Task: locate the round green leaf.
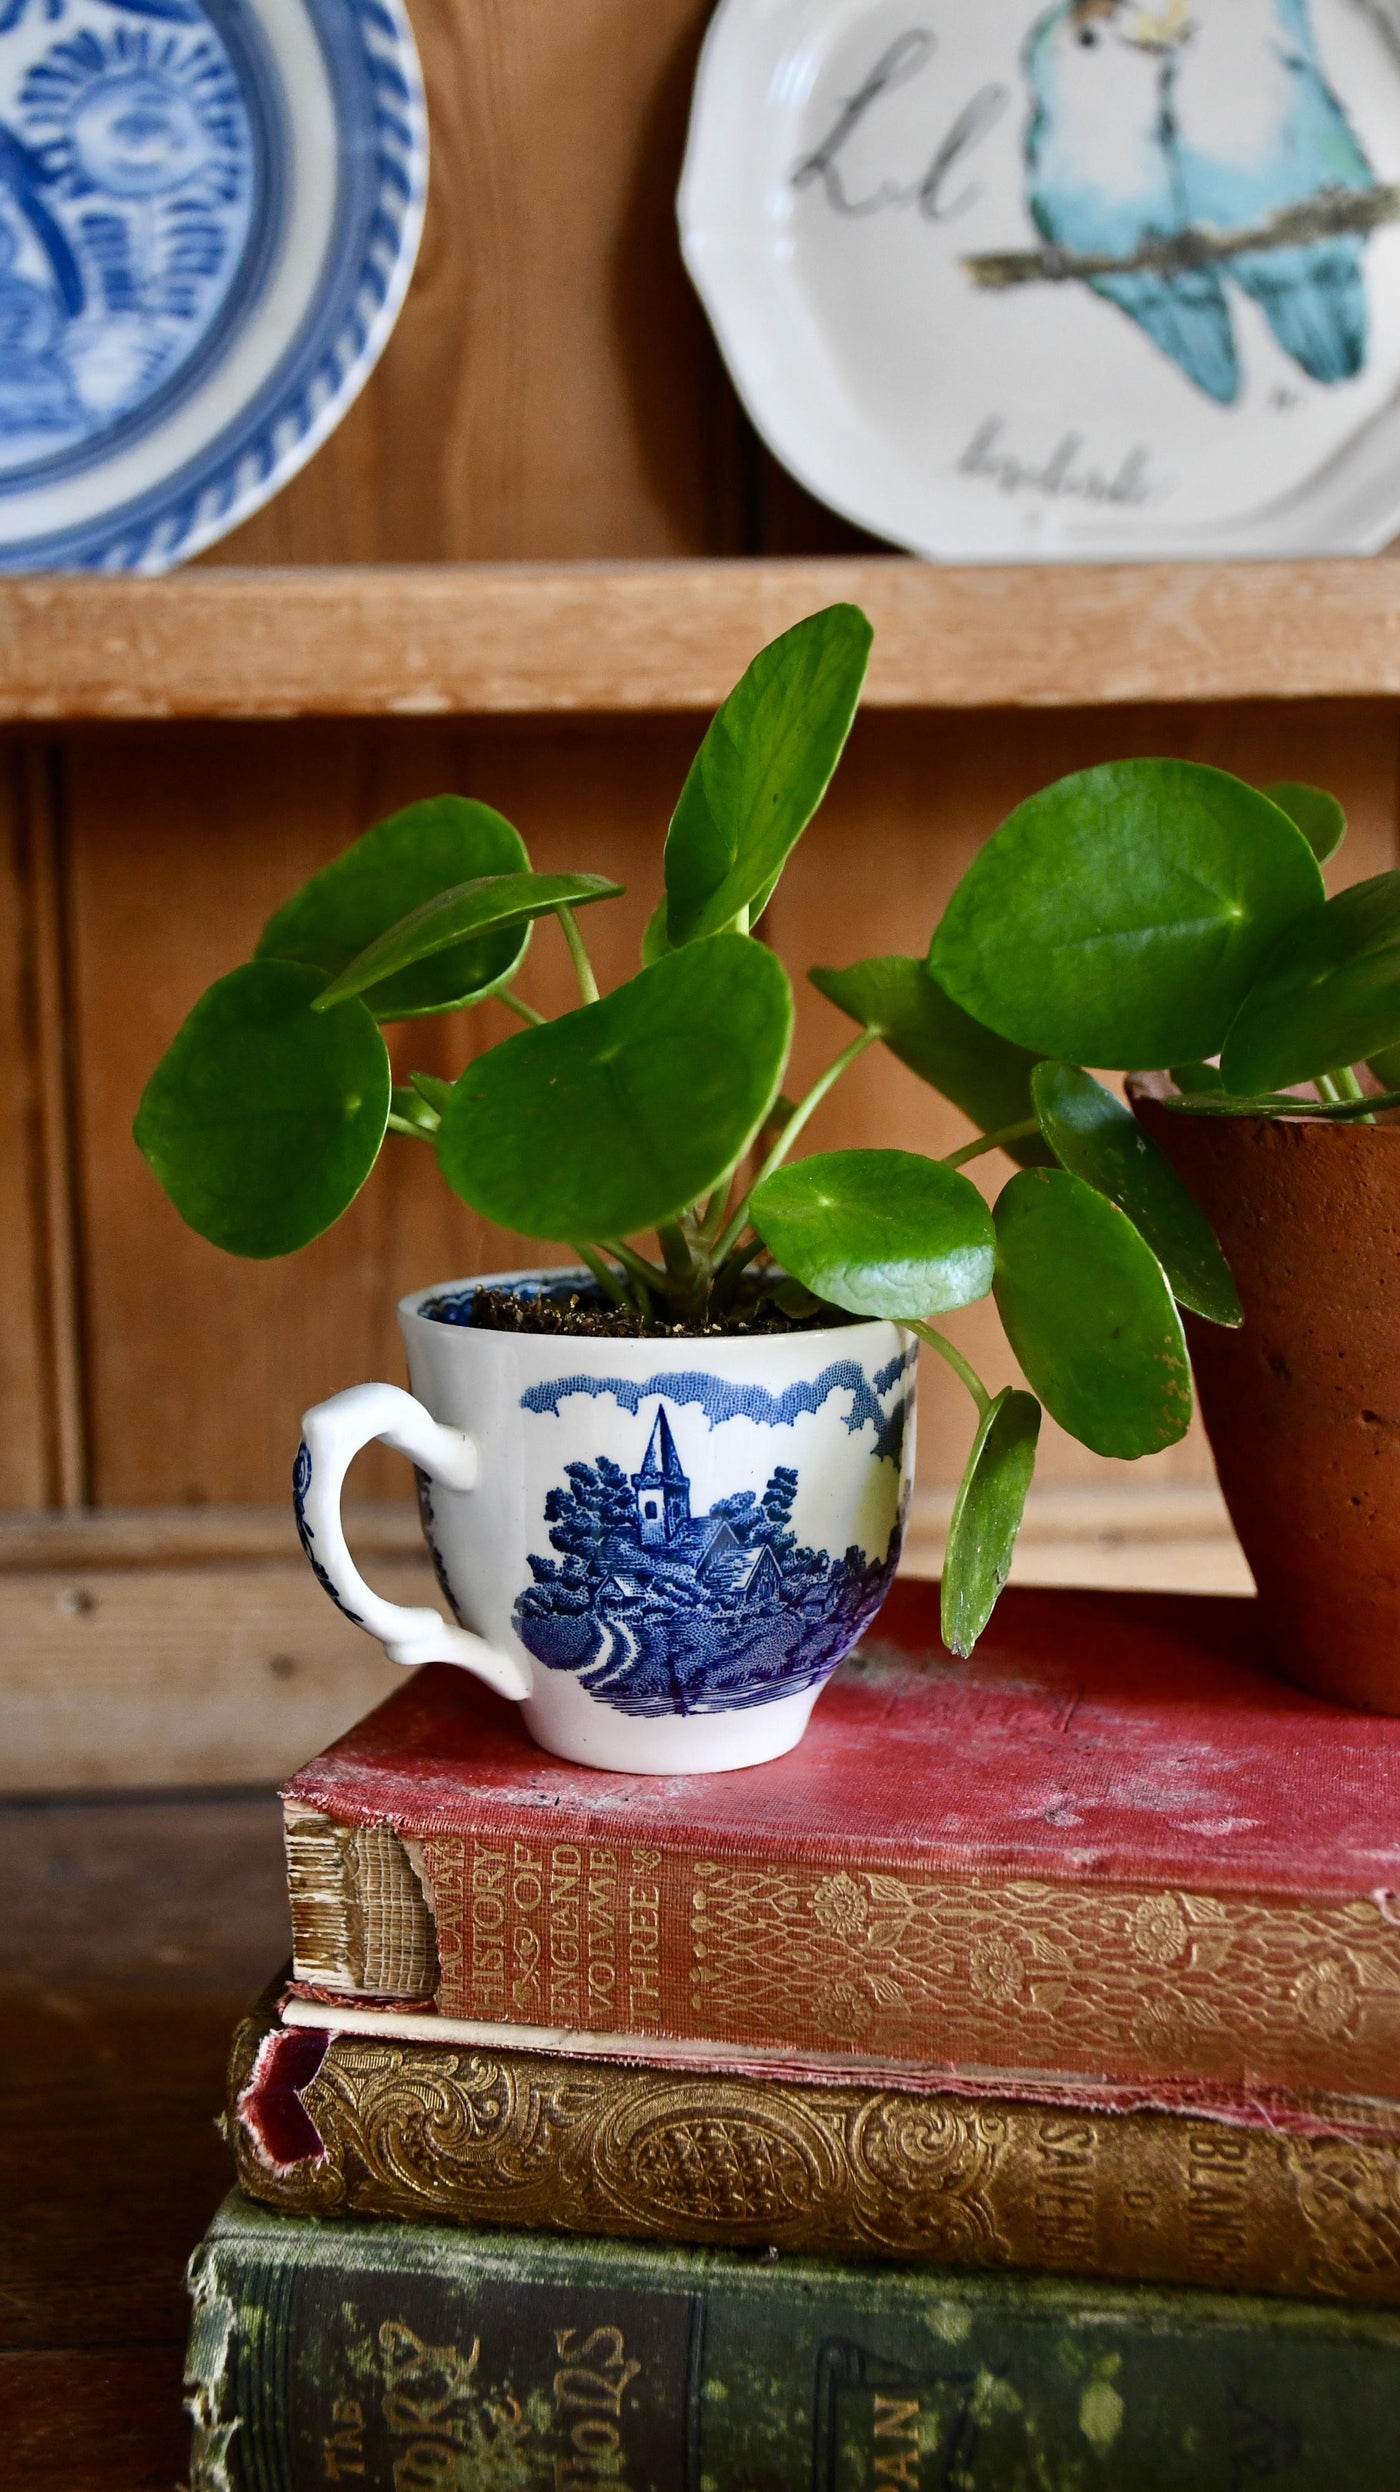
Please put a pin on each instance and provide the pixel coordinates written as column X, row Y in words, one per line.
column 1089, row 1315
column 1120, row 916
column 623, row 1113
column 987, row 1513
column 985, row 1076
column 1319, row 816
column 428, row 848
column 457, row 918
column 263, row 1118
column 878, row 1232
column 762, row 771
column 1095, row 1137
column 1328, row 994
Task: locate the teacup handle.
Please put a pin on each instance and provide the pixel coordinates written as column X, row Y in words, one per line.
column 332, row 1434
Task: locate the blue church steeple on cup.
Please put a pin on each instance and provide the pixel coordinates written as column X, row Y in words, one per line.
column 662, row 1489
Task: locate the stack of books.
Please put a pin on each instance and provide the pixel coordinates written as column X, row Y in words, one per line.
column 1001, row 2092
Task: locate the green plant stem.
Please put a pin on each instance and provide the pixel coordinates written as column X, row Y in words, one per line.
column 804, row 1109
column 517, row 1004
column 602, row 1273
column 992, row 1142
column 725, row 1283
column 960, row 1367
column 675, row 1248
column 1326, row 1088
column 578, row 952
column 649, row 1274
column 405, row 1125
column 1348, row 1087
column 713, row 1217
column 716, row 1212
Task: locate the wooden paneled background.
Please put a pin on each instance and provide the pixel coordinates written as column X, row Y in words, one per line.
column 550, row 394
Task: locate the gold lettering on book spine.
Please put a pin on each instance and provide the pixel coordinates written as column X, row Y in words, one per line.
column 1146, row 1984
column 519, row 2138
column 563, row 1933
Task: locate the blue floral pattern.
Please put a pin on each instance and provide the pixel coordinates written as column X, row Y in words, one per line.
column 146, row 185
column 659, row 1610
column 132, row 162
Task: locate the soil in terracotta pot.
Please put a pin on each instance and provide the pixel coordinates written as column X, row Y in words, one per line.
column 589, row 1312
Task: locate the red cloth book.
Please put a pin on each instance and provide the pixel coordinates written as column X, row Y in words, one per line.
column 1111, row 1858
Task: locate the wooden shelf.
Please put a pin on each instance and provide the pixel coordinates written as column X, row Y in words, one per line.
column 194, row 1647
column 537, row 640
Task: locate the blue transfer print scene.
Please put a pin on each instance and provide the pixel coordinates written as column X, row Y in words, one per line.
column 659, row 1609
column 127, row 182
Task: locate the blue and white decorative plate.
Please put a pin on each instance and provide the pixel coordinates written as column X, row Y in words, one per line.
column 209, row 212
column 1062, row 279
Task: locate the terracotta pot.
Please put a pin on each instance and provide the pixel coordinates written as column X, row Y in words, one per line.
column 1302, row 1403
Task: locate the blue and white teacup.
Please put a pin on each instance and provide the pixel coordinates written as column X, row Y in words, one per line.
column 661, row 1548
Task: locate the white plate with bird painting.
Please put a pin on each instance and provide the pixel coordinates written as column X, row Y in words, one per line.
column 1104, row 279
column 209, row 211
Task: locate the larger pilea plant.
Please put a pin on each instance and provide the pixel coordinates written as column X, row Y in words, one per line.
column 1149, row 913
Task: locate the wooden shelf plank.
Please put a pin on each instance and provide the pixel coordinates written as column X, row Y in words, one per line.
column 169, row 1647
column 537, row 640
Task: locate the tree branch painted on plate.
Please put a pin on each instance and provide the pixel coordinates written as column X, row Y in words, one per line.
column 1310, row 220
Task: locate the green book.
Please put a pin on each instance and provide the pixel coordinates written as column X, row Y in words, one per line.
column 417, row 2359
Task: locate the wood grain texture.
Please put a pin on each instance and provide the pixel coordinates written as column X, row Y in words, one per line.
column 133, row 1935
column 115, row 1538
column 133, row 1893
column 551, row 388
column 540, row 639
column 168, row 1649
column 110, row 2418
column 183, row 1675
column 26, row 1468
column 42, row 1422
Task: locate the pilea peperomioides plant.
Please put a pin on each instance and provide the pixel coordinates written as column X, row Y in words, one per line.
column 1137, row 915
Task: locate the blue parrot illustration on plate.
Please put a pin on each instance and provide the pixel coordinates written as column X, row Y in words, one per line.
column 1150, row 118
column 1101, row 174
column 1258, row 128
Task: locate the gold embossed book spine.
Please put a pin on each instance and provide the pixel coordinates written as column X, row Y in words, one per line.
column 333, row 2124
column 1191, row 1995
column 1110, row 1849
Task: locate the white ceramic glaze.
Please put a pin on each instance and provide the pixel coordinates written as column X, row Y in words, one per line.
column 660, row 1548
column 849, row 159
